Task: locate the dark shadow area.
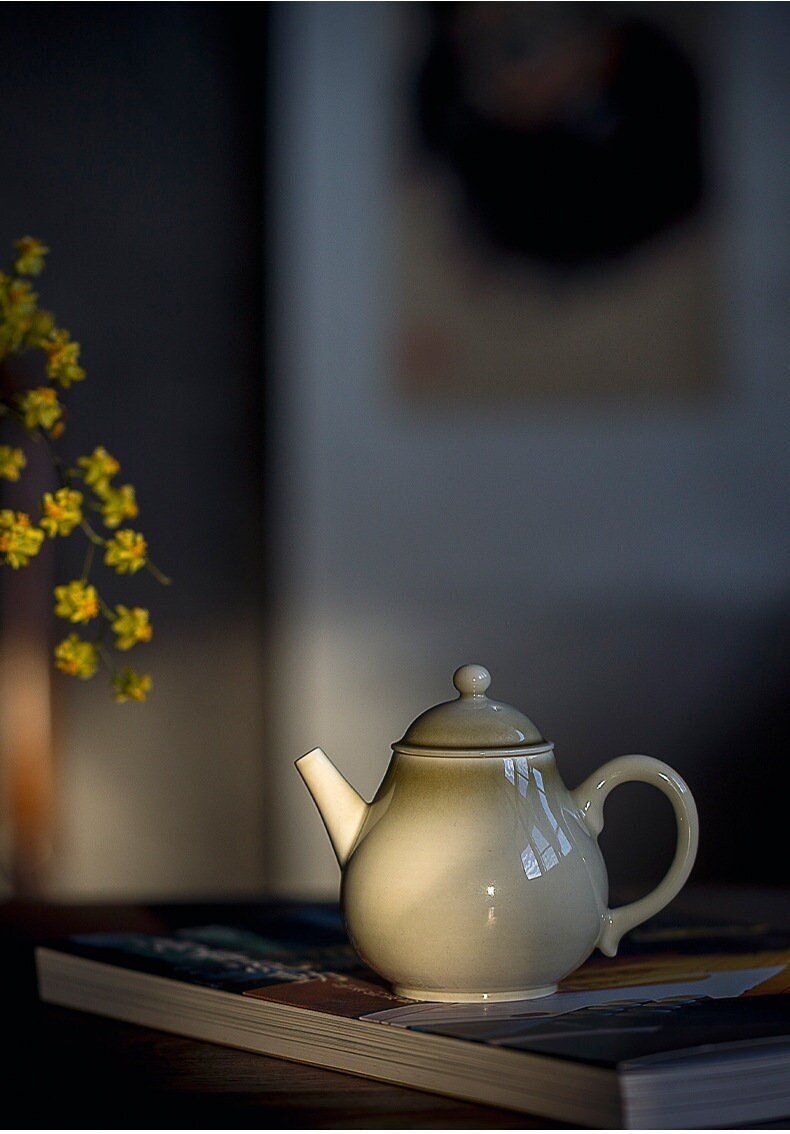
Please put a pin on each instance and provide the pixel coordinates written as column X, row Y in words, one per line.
column 133, row 140
column 742, row 771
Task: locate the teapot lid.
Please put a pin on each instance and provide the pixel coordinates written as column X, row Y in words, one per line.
column 472, row 720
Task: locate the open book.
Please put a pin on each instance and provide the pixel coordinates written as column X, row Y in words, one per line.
column 688, row 1027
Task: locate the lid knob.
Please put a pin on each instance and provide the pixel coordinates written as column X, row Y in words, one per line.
column 471, row 680
column 470, row 723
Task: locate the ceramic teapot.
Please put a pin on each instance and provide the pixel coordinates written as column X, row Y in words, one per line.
column 475, row 874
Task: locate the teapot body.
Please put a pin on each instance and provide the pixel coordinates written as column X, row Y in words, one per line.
column 474, row 873
column 474, row 877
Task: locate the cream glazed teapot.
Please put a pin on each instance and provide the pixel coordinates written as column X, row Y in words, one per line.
column 475, row 874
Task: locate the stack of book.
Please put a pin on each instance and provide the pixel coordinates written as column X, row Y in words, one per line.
column 688, row 1027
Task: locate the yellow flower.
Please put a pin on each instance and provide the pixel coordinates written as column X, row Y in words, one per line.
column 30, row 256
column 99, row 467
column 62, row 512
column 40, row 407
column 18, row 298
column 19, row 540
column 24, row 327
column 76, row 657
column 131, row 626
column 12, row 461
column 42, row 325
column 131, row 686
column 62, row 355
column 126, row 552
column 17, row 308
column 119, row 504
column 77, row 601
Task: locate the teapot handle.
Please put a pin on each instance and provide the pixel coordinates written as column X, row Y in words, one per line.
column 590, row 797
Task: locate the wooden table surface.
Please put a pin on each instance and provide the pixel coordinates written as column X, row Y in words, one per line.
column 67, row 1070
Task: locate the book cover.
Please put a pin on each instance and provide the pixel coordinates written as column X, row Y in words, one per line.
column 677, row 996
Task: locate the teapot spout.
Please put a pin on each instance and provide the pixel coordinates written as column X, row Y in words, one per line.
column 342, row 809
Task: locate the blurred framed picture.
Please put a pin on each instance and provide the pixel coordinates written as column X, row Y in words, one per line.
column 555, row 240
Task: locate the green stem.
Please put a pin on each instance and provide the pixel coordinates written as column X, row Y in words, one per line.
column 108, row 614
column 63, row 473
column 157, row 574
column 88, row 563
column 95, row 539
column 106, row 659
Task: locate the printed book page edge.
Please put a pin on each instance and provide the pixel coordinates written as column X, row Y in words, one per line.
column 590, row 1095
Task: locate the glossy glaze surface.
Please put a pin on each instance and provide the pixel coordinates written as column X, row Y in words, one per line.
column 474, row 873
column 466, row 874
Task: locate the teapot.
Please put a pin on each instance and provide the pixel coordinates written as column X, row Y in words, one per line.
column 474, row 874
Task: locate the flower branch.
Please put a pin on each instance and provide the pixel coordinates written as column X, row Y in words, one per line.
column 90, row 486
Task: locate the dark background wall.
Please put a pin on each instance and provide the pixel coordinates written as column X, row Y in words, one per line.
column 132, row 143
column 132, row 138
column 218, row 212
column 619, row 563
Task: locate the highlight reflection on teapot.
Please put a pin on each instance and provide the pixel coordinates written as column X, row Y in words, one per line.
column 475, row 874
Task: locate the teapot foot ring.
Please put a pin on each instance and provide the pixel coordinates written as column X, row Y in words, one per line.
column 456, row 997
